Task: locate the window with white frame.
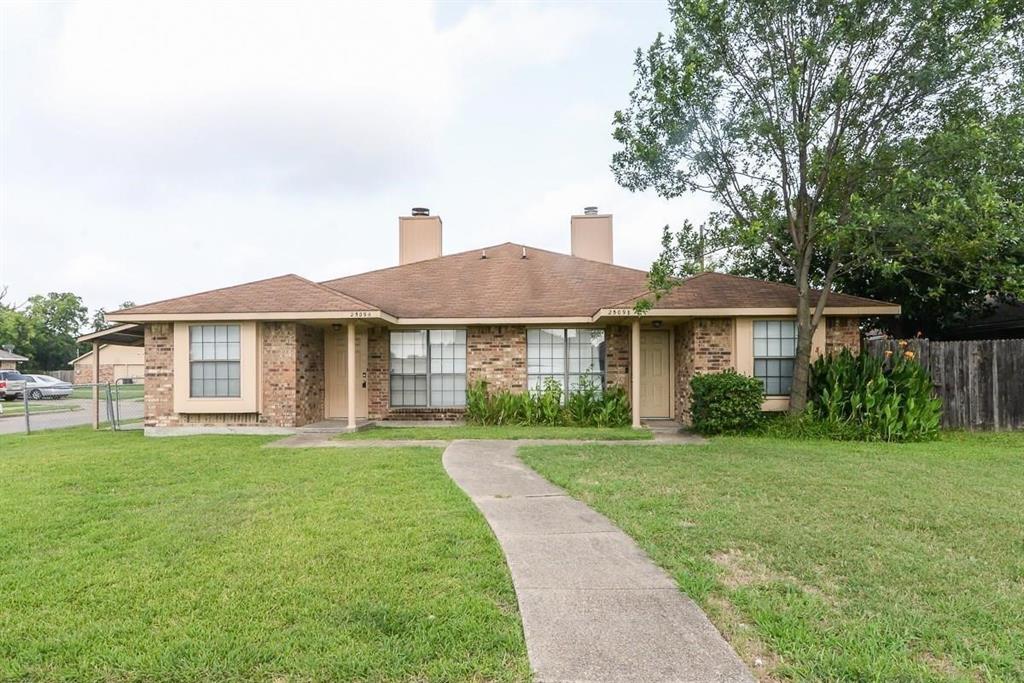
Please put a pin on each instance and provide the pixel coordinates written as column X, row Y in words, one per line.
column 215, row 361
column 428, row 368
column 774, row 351
column 568, row 356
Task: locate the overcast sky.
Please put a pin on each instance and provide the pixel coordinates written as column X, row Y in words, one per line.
column 151, row 150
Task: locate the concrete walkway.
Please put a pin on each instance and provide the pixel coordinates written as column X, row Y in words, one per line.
column 594, row 606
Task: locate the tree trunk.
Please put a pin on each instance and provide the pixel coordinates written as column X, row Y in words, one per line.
column 802, row 362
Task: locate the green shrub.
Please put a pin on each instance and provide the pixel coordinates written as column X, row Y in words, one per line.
column 883, row 400
column 726, row 402
column 586, row 407
column 806, row 425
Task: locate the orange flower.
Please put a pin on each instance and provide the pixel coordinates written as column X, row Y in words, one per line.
column 909, row 355
column 888, row 353
column 903, row 343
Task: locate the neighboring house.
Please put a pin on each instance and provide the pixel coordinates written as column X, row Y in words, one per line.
column 9, row 360
column 275, row 353
column 116, row 363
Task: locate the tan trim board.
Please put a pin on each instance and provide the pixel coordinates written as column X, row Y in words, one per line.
column 601, row 316
column 289, row 315
column 750, row 312
column 427, row 322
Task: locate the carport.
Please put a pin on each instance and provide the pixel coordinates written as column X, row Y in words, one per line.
column 128, row 334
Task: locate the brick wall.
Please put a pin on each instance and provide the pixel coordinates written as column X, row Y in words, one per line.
column 292, row 382
column 84, row 373
column 683, row 352
column 842, row 333
column 712, row 344
column 618, row 339
column 377, row 377
column 293, row 374
column 497, row 354
column 279, row 349
column 309, row 375
column 159, row 395
column 702, row 345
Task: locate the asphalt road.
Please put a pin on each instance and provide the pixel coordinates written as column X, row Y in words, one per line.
column 15, row 424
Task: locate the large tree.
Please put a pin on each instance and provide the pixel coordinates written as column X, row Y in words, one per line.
column 782, row 110
column 948, row 209
column 44, row 329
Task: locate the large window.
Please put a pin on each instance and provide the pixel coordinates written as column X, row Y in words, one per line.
column 774, row 350
column 568, row 356
column 428, row 368
column 215, row 360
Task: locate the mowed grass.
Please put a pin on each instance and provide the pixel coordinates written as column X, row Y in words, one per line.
column 119, row 391
column 831, row 561
column 211, row 558
column 499, row 432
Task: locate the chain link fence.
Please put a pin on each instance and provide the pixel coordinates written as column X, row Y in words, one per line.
column 114, row 406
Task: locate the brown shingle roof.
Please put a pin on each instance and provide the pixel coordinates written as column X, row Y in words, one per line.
column 283, row 294
column 719, row 290
column 503, row 285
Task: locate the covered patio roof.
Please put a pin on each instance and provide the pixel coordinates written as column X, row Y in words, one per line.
column 128, row 334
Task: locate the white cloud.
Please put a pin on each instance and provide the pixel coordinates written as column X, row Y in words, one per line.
column 154, row 149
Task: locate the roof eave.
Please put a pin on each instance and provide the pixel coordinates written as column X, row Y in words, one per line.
column 250, row 315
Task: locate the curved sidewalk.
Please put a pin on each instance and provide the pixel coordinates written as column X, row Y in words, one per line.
column 594, row 606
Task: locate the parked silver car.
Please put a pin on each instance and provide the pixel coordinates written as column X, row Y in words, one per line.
column 44, row 386
column 12, row 384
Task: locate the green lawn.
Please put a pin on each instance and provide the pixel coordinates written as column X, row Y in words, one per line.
column 500, row 432
column 210, row 558
column 831, row 561
column 123, row 391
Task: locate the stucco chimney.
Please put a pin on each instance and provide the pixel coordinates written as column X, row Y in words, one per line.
column 592, row 235
column 419, row 236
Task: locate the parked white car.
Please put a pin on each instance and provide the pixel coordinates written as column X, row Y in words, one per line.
column 12, row 384
column 45, row 386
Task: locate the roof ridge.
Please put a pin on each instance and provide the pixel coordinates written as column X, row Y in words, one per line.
column 338, row 292
column 470, row 251
column 403, row 265
column 207, row 291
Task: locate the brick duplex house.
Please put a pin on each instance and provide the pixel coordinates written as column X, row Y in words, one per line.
column 405, row 342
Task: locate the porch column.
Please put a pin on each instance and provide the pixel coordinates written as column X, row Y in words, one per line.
column 350, row 358
column 96, row 385
column 634, row 371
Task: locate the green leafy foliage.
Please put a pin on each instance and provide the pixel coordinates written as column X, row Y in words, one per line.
column 875, row 399
column 726, row 402
column 843, row 140
column 588, row 406
column 43, row 329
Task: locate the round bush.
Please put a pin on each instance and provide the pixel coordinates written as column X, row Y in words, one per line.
column 726, row 402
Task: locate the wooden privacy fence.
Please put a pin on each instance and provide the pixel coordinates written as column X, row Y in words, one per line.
column 62, row 375
column 981, row 383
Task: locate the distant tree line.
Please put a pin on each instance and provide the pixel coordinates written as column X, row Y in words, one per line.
column 45, row 328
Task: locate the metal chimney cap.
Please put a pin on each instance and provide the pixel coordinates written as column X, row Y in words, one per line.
column 589, row 210
column 420, row 211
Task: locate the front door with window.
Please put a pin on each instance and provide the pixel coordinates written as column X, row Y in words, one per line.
column 336, row 373
column 655, row 374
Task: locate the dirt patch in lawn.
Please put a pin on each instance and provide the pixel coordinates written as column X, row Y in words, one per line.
column 742, row 570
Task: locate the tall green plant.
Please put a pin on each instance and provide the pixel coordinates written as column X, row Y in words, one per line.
column 587, row 406
column 886, row 400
